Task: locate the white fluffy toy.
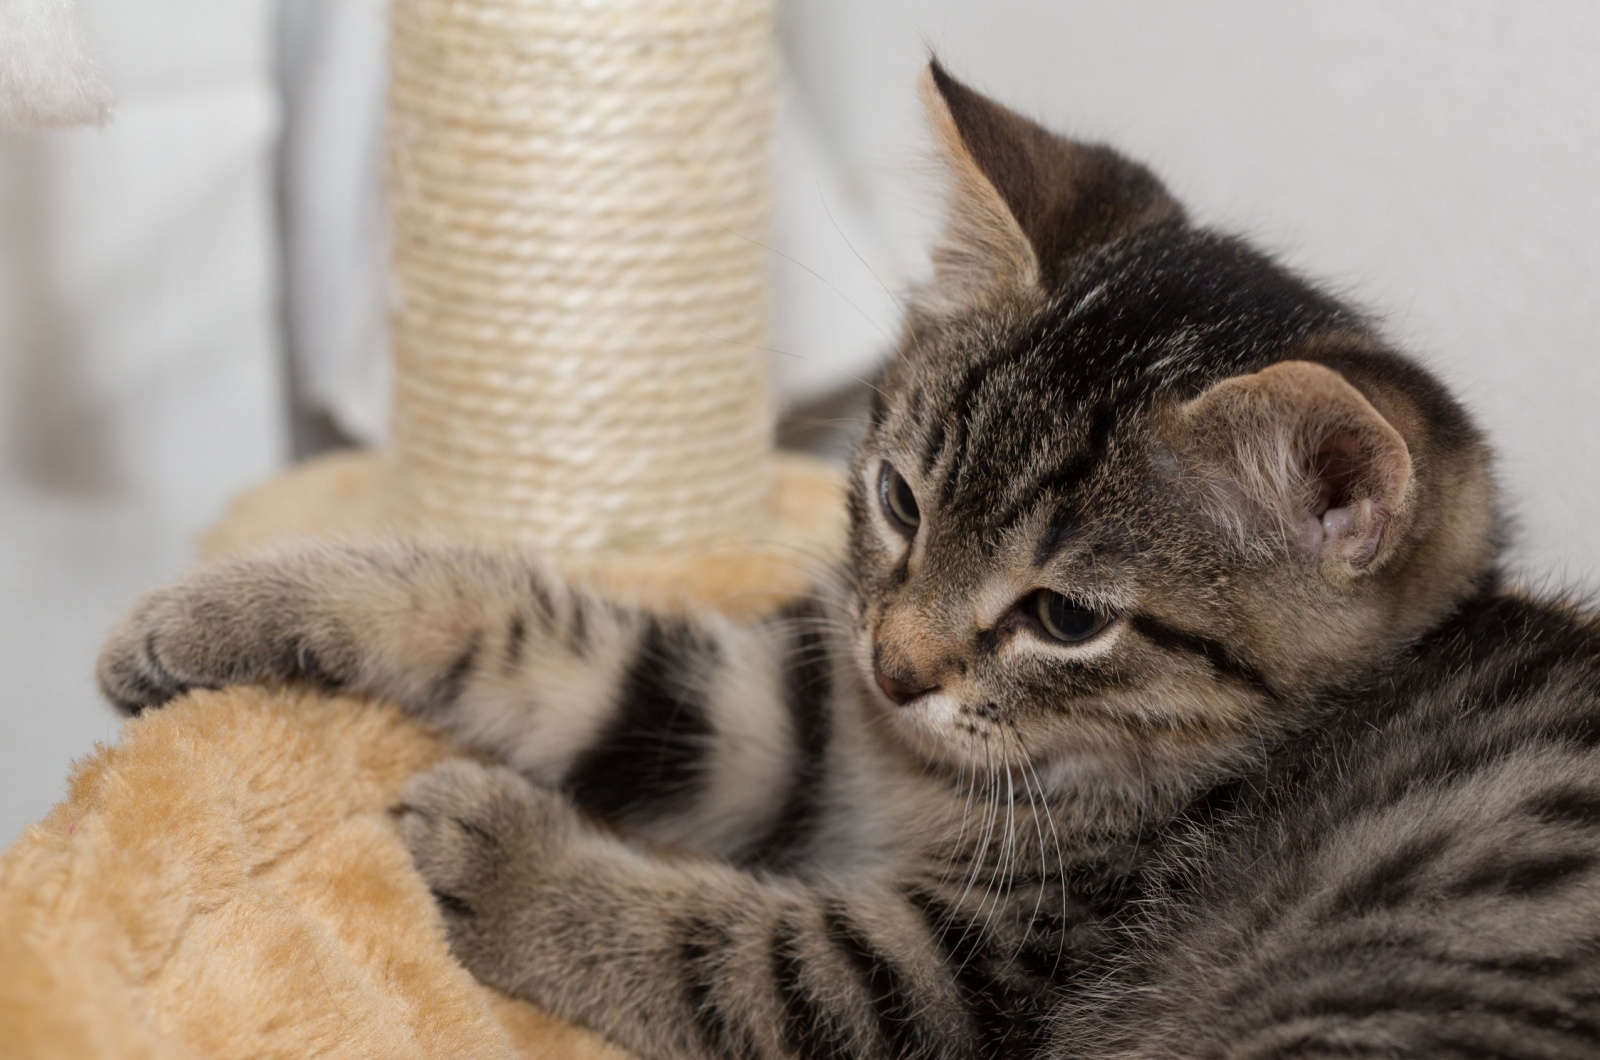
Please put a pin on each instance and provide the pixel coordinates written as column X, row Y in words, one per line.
column 48, row 76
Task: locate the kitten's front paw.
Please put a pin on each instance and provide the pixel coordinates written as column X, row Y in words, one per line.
column 237, row 622
column 483, row 838
column 134, row 671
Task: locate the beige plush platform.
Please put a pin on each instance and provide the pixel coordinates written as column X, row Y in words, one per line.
column 224, row 882
column 352, row 495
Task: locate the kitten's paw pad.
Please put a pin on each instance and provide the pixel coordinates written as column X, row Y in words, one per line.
column 479, row 836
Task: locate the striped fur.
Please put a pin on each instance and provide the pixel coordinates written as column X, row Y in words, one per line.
column 846, row 901
column 1417, row 876
column 1171, row 706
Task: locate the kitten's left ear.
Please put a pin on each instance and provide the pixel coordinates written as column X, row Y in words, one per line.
column 1025, row 201
column 1303, row 448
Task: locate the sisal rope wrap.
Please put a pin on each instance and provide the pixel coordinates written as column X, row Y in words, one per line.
column 576, row 186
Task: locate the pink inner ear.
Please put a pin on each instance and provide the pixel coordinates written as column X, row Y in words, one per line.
column 1341, row 520
column 1313, row 457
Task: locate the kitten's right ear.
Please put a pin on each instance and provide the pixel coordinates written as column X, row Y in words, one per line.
column 1302, row 454
column 1024, row 201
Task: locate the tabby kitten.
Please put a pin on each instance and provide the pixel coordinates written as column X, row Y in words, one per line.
column 1171, row 709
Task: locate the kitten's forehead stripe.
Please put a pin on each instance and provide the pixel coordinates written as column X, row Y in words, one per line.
column 1055, row 538
column 935, row 445
column 1033, row 415
column 1071, row 473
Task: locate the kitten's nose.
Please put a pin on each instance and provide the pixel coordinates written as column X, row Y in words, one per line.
column 902, row 692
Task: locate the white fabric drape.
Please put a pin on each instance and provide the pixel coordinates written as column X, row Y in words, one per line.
column 140, row 377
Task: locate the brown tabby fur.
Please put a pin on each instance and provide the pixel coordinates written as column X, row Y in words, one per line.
column 1170, row 630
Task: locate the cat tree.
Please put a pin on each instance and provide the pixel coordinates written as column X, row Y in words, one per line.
column 578, row 194
column 577, row 190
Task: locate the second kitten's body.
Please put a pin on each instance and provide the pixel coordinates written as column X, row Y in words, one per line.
column 1169, row 708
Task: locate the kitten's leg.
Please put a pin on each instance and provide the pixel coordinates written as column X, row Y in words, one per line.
column 674, row 957
column 691, row 727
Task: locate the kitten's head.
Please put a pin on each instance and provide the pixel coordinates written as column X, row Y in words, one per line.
column 1132, row 490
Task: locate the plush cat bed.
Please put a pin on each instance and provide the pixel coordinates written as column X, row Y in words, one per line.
column 225, row 881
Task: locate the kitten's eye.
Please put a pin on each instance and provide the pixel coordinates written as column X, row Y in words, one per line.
column 899, row 503
column 1064, row 619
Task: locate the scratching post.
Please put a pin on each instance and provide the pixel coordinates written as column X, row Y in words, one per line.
column 575, row 189
column 578, row 192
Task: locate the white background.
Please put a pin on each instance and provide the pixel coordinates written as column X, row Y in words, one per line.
column 1437, row 161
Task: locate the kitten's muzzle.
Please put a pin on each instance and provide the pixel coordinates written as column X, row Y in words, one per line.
column 901, row 689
